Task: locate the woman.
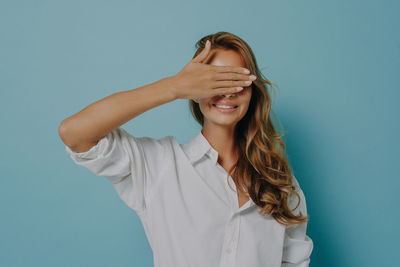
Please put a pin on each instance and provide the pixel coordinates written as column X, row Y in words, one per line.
column 227, row 197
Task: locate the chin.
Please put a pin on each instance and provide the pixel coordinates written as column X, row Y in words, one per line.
column 224, row 122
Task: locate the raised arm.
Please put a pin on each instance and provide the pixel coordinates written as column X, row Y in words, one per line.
column 84, row 129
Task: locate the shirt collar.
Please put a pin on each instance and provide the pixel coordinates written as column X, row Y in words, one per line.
column 198, row 147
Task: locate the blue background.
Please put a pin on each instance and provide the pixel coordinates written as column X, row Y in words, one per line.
column 336, row 65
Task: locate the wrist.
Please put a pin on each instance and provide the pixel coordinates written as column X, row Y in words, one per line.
column 170, row 86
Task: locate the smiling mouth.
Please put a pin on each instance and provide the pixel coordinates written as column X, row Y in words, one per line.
column 225, row 107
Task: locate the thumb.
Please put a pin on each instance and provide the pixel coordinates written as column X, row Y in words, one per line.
column 203, row 54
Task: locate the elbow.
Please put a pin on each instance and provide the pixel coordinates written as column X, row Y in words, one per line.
column 69, row 138
column 63, row 133
column 61, row 130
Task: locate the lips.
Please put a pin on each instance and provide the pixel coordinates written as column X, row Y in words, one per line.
column 224, row 106
column 225, row 103
column 225, row 110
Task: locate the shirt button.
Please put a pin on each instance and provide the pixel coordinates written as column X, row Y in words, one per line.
column 228, row 251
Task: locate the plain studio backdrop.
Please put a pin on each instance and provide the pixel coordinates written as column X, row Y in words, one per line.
column 336, row 66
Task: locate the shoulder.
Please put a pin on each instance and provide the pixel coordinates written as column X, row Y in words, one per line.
column 295, row 182
column 147, row 143
column 298, row 204
column 152, row 149
column 153, row 143
column 136, row 147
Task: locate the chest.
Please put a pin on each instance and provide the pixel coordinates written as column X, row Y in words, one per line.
column 193, row 219
column 189, row 221
column 242, row 197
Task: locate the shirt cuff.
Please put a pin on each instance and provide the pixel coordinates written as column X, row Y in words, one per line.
column 92, row 153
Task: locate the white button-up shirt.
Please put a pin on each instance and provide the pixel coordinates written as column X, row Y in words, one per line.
column 189, row 207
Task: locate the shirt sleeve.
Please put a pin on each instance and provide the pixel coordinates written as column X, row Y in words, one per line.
column 132, row 164
column 297, row 246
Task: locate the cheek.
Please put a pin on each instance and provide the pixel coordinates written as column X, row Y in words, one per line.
column 246, row 92
column 204, row 102
column 245, row 96
column 204, row 106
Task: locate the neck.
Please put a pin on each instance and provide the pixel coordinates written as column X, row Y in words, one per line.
column 222, row 139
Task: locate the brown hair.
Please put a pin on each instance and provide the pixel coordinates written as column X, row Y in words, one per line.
column 263, row 169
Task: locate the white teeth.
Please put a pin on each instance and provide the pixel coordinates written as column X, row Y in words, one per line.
column 222, row 106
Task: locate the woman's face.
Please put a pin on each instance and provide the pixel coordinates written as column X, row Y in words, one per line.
column 229, row 117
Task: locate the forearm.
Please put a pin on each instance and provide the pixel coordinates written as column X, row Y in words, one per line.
column 86, row 127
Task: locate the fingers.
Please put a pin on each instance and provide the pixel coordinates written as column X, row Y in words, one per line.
column 227, row 84
column 225, row 76
column 230, row 69
column 203, row 54
column 227, row 90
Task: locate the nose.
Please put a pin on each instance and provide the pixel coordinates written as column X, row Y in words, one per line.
column 230, row 95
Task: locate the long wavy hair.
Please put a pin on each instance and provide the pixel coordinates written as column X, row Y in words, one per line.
column 263, row 169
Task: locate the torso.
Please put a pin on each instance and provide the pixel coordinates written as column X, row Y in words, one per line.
column 242, row 197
